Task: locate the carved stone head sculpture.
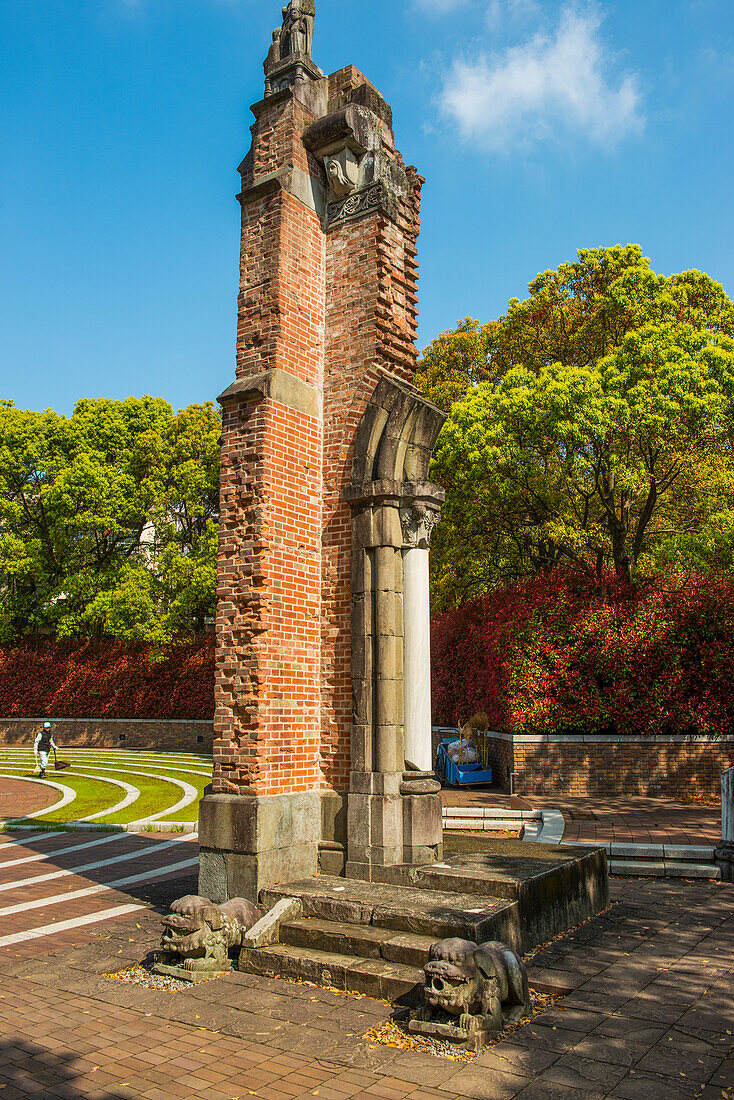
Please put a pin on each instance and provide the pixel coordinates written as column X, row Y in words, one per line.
column 484, row 986
column 342, row 172
column 201, row 934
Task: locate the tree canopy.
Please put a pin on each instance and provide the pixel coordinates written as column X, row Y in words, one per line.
column 596, row 425
column 108, row 520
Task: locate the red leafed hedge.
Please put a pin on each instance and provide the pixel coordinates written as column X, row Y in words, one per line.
column 549, row 655
column 43, row 677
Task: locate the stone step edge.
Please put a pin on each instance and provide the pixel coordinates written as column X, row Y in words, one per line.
column 370, row 977
column 660, row 869
column 391, row 946
column 323, row 904
column 679, row 853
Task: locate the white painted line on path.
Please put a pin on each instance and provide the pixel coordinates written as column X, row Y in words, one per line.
column 190, row 793
column 144, row 876
column 69, row 925
column 151, row 850
column 60, row 851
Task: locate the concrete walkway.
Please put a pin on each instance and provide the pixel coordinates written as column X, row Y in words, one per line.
column 625, row 820
column 646, row 1015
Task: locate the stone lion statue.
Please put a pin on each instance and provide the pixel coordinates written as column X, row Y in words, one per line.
column 198, row 935
column 483, row 987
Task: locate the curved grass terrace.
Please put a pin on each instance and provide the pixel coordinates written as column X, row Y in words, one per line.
column 114, row 786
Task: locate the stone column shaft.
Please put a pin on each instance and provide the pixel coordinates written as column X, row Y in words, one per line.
column 417, row 618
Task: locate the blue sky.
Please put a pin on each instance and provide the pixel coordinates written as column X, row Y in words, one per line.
column 542, row 126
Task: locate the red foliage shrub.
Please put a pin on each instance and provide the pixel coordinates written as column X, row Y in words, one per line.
column 550, row 655
column 44, row 677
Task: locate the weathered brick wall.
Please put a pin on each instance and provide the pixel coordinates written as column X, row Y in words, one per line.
column 502, row 762
column 608, row 767
column 335, row 308
column 112, row 733
column 267, row 712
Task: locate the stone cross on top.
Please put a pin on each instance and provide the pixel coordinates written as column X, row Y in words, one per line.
column 290, row 57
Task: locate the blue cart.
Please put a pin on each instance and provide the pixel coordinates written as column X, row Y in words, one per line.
column 459, row 775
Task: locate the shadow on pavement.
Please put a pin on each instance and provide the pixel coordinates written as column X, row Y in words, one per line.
column 27, row 1069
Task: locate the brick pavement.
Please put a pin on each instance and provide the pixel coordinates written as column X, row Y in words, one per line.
column 625, row 820
column 648, row 1014
column 82, row 878
column 18, row 799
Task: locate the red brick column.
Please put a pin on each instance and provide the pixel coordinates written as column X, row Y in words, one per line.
column 327, row 319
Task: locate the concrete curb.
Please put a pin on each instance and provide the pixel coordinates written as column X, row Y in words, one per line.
column 540, row 826
column 85, row 827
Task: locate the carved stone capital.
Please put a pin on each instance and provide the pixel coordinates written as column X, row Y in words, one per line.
column 418, row 522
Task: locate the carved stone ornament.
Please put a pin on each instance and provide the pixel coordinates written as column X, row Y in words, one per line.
column 290, row 57
column 471, row 992
column 357, row 203
column 342, row 172
column 418, row 523
column 199, row 935
column 296, row 38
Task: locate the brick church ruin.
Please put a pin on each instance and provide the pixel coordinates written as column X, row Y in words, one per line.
column 322, row 752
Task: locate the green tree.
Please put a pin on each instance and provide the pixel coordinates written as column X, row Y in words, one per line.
column 455, row 362
column 95, row 511
column 604, row 435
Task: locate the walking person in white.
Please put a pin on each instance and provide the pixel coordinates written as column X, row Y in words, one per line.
column 42, row 748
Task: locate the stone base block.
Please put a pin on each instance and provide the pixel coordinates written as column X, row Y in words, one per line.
column 724, row 857
column 249, row 843
column 422, row 829
column 332, row 860
column 375, row 829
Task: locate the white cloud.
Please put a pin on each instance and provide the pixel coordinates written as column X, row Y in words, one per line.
column 555, row 84
column 502, row 12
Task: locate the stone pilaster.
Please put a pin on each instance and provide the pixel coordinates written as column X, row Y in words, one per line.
column 725, row 854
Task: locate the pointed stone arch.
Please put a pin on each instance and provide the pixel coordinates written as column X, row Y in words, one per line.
column 394, row 813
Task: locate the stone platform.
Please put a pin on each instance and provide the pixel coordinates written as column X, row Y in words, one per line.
column 374, row 937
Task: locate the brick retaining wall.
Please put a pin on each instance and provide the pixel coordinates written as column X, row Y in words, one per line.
column 113, row 733
column 684, row 768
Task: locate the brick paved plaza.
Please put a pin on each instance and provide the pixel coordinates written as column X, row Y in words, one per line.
column 625, row 820
column 647, row 1010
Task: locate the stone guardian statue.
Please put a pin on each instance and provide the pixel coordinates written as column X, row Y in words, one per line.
column 471, row 992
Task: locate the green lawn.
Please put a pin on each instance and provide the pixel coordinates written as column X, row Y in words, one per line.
column 151, row 773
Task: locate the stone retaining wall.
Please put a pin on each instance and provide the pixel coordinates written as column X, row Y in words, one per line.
column 684, row 768
column 113, row 733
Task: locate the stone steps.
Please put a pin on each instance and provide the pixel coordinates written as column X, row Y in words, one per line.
column 657, row 860
column 372, row 938
column 423, row 912
column 358, row 940
column 387, row 981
